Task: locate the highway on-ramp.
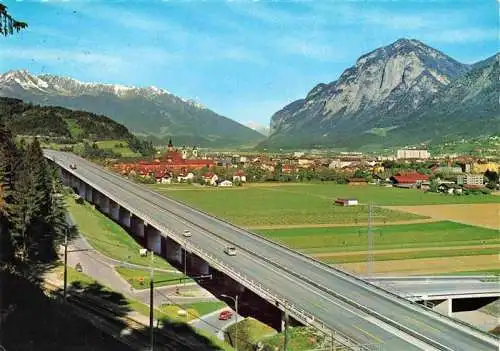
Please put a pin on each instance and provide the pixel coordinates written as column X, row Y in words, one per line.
column 342, row 302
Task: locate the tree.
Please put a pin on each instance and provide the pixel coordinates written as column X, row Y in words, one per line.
column 8, row 24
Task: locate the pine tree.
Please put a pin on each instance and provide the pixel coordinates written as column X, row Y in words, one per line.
column 8, row 24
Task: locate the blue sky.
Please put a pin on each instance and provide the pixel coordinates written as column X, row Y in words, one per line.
column 243, row 59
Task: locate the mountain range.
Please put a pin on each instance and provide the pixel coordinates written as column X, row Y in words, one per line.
column 406, row 92
column 400, row 94
column 150, row 112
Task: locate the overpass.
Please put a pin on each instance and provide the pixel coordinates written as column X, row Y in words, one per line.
column 357, row 314
column 440, row 287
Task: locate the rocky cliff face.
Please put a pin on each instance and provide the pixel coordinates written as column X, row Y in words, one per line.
column 379, row 91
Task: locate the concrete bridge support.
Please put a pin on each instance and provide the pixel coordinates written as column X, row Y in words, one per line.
column 82, row 190
column 153, row 239
column 137, row 226
column 114, row 210
column 284, row 321
column 88, row 193
column 444, row 307
column 104, row 205
column 124, row 217
column 198, row 266
column 174, row 251
column 96, row 198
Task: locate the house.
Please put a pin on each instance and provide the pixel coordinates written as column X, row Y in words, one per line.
column 470, row 179
column 356, row 181
column 226, row 183
column 449, row 188
column 346, row 202
column 239, row 176
column 408, row 180
column 210, row 178
column 185, row 177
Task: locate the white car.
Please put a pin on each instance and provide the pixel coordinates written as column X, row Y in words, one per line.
column 230, row 250
column 187, row 233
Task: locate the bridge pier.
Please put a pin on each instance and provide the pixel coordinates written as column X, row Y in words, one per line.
column 104, row 205
column 198, row 266
column 124, row 216
column 137, row 226
column 174, row 251
column 114, row 210
column 284, row 320
column 153, row 239
column 88, row 193
column 82, row 190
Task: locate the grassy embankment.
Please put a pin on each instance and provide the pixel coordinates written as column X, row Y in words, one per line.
column 139, row 278
column 108, row 237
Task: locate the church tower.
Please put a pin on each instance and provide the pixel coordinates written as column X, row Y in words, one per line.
column 170, row 145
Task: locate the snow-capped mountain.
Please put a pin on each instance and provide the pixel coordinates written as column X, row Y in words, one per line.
column 150, row 110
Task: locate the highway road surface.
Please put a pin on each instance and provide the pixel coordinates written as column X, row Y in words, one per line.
column 455, row 287
column 358, row 309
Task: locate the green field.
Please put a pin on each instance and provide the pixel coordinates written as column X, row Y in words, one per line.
column 108, row 237
column 308, row 203
column 114, row 145
column 205, row 307
column 139, row 278
column 280, row 205
column 410, row 255
column 341, row 239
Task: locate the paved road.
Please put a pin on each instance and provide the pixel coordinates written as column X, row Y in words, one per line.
column 306, row 283
column 436, row 286
column 102, row 269
column 211, row 323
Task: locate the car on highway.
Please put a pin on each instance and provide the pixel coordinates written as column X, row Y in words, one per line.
column 72, row 166
column 225, row 315
column 230, row 250
column 187, row 233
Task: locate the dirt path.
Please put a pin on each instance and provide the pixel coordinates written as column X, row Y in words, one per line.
column 410, row 249
column 332, row 225
column 422, row 266
column 482, row 215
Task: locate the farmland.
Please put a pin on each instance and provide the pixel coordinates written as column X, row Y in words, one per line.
column 303, row 217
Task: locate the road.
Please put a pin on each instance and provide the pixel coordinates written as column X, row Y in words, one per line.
column 416, row 287
column 212, row 325
column 372, row 316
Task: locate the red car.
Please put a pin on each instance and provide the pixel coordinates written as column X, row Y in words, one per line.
column 225, row 315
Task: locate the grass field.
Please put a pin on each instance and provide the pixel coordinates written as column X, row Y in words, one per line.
column 205, row 307
column 113, row 145
column 108, row 237
column 139, row 279
column 277, row 206
column 344, row 239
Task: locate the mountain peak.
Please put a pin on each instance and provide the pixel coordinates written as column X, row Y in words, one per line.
column 384, row 86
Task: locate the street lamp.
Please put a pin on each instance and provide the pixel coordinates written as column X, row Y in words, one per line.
column 235, row 300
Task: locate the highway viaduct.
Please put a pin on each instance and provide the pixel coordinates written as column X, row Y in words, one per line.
column 353, row 312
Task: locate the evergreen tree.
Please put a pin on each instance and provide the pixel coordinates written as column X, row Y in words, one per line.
column 8, row 24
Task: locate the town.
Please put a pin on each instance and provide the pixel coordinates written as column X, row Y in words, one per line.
column 409, row 168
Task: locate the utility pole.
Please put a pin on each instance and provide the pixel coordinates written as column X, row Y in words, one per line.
column 235, row 300
column 65, row 289
column 185, row 263
column 151, row 305
column 285, row 342
column 370, row 241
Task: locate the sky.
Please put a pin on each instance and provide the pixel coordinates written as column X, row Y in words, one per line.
column 242, row 59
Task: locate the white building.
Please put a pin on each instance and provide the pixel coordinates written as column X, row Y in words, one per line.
column 470, row 179
column 226, row 183
column 416, row 154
